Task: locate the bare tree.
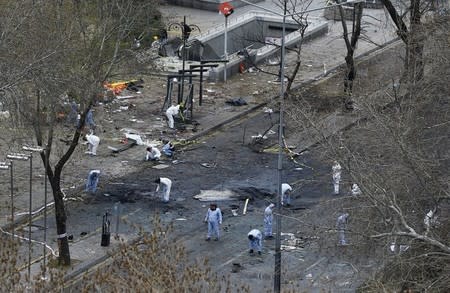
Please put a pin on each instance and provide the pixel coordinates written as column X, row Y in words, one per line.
column 399, row 157
column 52, row 49
column 412, row 36
column 350, row 44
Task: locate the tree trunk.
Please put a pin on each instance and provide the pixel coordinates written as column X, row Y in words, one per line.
column 415, row 45
column 413, row 39
column 294, row 72
column 61, row 218
column 350, row 44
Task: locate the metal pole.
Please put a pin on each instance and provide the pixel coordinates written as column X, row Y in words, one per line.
column 277, row 273
column 200, row 96
column 9, row 166
column 225, row 50
column 30, row 217
column 12, row 198
column 183, row 35
column 45, row 213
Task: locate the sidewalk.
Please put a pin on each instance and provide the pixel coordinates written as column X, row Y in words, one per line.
column 87, row 252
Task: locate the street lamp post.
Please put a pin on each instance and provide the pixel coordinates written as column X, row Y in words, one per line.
column 225, row 50
column 226, row 9
column 9, row 166
column 25, row 157
column 44, row 151
column 277, row 267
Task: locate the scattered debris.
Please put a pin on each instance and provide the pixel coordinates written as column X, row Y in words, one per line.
column 245, row 206
column 236, row 268
column 217, row 195
column 134, row 137
column 207, row 165
column 291, row 242
column 267, row 110
column 236, row 102
column 128, row 145
column 234, row 210
column 259, row 136
column 160, row 166
column 125, row 97
column 131, row 85
column 4, row 115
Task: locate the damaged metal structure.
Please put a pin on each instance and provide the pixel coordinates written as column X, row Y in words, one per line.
column 251, row 39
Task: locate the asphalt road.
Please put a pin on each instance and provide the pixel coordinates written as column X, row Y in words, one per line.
column 233, row 165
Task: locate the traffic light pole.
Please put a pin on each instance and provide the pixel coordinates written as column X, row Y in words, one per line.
column 225, row 50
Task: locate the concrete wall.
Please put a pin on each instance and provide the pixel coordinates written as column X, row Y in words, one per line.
column 251, row 33
column 314, row 30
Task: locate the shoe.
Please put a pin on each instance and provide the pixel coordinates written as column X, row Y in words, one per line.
column 217, row 239
column 251, row 251
column 259, row 252
column 207, row 239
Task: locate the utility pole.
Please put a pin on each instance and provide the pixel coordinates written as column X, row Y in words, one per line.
column 277, row 272
column 226, row 9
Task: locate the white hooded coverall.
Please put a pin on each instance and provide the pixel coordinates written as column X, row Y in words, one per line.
column 255, row 240
column 166, row 186
column 93, row 142
column 153, row 154
column 336, row 170
column 285, row 194
column 268, row 220
column 170, row 112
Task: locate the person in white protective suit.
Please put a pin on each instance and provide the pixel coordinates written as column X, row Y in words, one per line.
column 268, row 220
column 165, row 184
column 214, row 219
column 153, row 154
column 336, row 171
column 171, row 112
column 255, row 241
column 356, row 190
column 286, row 191
column 430, row 220
column 341, row 226
column 92, row 181
column 92, row 141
